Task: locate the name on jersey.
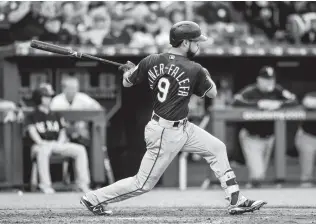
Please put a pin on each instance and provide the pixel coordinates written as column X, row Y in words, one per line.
column 174, row 71
column 47, row 126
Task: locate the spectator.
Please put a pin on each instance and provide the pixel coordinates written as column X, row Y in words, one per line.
column 176, row 16
column 5, row 37
column 214, row 12
column 53, row 23
column 26, row 20
column 310, row 36
column 46, row 133
column 99, row 28
column 261, row 16
column 74, row 20
column 119, row 33
column 72, row 99
column 162, row 39
column 305, row 142
column 285, row 9
column 142, row 39
column 295, row 28
column 301, row 28
column 140, row 35
column 257, row 143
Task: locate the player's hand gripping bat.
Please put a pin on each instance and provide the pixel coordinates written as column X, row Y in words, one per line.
column 71, row 53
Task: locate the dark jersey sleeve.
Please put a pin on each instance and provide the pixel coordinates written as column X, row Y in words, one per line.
column 246, row 97
column 139, row 72
column 29, row 120
column 203, row 83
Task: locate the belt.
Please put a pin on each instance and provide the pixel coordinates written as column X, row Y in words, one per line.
column 167, row 123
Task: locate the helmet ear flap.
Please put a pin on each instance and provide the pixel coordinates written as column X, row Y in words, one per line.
column 178, row 44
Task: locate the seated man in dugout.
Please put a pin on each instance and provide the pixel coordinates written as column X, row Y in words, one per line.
column 257, row 137
column 72, row 99
column 305, row 142
column 46, row 133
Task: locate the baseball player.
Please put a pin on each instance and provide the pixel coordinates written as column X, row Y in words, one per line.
column 256, row 138
column 173, row 78
column 305, row 142
column 72, row 99
column 46, row 135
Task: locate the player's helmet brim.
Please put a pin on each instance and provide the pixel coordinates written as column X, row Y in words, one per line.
column 201, row 38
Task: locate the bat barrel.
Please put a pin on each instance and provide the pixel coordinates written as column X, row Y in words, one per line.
column 68, row 52
column 50, row 47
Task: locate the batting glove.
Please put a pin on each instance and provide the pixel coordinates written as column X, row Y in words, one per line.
column 129, row 65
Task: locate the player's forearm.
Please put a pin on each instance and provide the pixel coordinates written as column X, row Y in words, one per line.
column 289, row 102
column 62, row 138
column 212, row 92
column 34, row 135
column 240, row 101
column 126, row 81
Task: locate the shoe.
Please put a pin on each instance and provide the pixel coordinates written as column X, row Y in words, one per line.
column 245, row 205
column 306, row 184
column 47, row 190
column 95, row 209
column 83, row 188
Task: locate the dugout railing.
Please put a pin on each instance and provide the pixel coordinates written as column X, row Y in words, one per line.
column 11, row 146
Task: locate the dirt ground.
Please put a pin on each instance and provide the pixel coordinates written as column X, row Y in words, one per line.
column 161, row 206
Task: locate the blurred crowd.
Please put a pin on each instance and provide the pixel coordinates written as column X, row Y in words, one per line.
column 141, row 24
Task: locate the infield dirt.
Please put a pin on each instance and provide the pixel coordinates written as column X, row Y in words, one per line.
column 162, row 206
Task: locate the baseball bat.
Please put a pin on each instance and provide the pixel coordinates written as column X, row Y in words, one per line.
column 68, row 52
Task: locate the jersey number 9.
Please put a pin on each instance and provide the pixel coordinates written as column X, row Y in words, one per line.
column 163, row 86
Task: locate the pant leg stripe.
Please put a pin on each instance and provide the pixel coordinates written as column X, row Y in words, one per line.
column 107, row 201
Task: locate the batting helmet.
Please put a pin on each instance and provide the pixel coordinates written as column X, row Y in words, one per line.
column 185, row 30
column 267, row 72
column 44, row 89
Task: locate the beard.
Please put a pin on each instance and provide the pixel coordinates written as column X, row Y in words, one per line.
column 191, row 54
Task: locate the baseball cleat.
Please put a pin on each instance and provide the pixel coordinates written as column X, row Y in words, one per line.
column 47, row 190
column 95, row 209
column 246, row 206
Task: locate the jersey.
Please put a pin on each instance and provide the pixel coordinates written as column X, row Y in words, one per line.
column 48, row 125
column 172, row 80
column 81, row 101
column 249, row 97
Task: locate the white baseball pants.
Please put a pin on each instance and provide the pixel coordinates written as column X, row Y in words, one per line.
column 163, row 144
column 73, row 150
column 257, row 152
column 306, row 146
